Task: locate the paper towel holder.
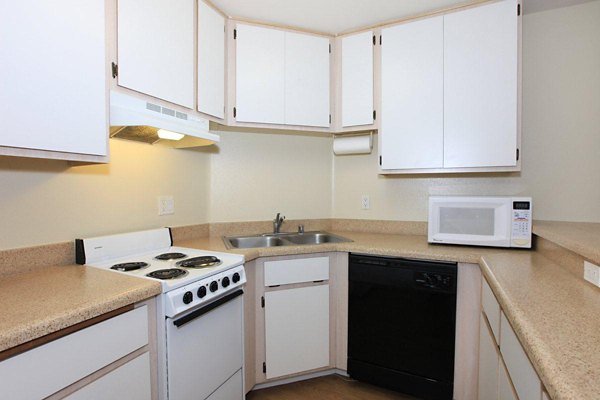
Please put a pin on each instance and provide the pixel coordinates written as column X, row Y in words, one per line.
column 355, row 134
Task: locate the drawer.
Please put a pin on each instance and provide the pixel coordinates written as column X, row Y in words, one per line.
column 299, row 270
column 491, row 308
column 130, row 381
column 44, row 370
column 523, row 375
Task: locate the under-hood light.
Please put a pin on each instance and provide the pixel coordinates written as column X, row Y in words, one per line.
column 165, row 134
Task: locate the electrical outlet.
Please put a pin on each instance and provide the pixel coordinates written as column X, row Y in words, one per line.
column 365, row 202
column 591, row 273
column 166, row 205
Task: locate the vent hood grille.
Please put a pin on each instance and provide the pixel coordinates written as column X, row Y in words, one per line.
column 139, row 120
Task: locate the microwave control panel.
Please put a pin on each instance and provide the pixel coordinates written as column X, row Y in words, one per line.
column 521, row 224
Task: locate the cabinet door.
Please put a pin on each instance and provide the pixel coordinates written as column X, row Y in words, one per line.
column 505, row 388
column 488, row 363
column 156, row 48
column 296, row 330
column 130, row 381
column 260, row 74
column 306, row 80
column 357, row 79
column 481, row 86
column 211, row 61
column 412, row 82
column 53, row 76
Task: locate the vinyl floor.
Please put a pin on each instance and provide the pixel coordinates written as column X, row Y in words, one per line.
column 330, row 387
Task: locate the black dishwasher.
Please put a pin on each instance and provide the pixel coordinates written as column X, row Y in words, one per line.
column 402, row 323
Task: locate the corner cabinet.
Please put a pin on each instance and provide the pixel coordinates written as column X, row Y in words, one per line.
column 296, row 316
column 53, row 80
column 281, row 77
column 451, row 92
column 155, row 43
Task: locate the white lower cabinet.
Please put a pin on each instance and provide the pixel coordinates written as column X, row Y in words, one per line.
column 296, row 330
column 505, row 372
column 47, row 369
column 505, row 387
column 130, row 381
column 488, row 362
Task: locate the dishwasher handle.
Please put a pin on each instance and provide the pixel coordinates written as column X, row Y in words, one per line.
column 201, row 311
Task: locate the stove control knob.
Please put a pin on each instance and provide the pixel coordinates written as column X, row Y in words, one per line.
column 225, row 282
column 201, row 291
column 235, row 278
column 188, row 297
column 214, row 286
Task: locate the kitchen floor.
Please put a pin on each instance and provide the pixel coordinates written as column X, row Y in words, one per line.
column 331, row 387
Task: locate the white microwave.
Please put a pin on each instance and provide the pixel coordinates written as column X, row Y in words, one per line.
column 480, row 221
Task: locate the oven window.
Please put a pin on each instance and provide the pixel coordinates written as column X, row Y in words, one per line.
column 467, row 221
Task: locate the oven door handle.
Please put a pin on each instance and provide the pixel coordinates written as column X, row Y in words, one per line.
column 201, row 311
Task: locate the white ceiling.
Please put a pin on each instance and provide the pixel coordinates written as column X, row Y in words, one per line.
column 330, row 16
column 338, row 16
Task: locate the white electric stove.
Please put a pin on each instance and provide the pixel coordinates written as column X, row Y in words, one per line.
column 199, row 314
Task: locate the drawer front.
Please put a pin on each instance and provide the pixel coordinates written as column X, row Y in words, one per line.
column 505, row 387
column 523, row 375
column 44, row 370
column 491, row 308
column 285, row 272
column 130, row 381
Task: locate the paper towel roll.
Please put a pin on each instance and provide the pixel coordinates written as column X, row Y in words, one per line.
column 352, row 145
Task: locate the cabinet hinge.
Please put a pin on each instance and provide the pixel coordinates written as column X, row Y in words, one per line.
column 518, row 10
column 517, row 154
column 329, row 48
column 329, row 118
column 234, row 34
column 234, row 112
column 379, row 160
column 380, row 41
column 264, row 368
column 262, row 301
column 374, row 115
column 374, row 40
column 115, row 70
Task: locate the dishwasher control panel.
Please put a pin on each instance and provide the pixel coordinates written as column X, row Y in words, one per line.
column 434, row 280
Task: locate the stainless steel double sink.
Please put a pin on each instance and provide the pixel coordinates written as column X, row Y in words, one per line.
column 281, row 239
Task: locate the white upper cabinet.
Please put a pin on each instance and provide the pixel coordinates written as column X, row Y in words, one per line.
column 481, row 48
column 211, row 61
column 357, row 79
column 281, row 77
column 53, row 79
column 412, row 80
column 306, row 80
column 260, row 74
column 156, row 48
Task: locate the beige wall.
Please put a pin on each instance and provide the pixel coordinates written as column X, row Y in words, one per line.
column 561, row 135
column 256, row 175
column 44, row 201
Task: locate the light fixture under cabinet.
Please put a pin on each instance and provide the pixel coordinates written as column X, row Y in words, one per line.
column 135, row 119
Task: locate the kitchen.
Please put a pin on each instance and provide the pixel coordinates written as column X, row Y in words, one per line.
column 249, row 176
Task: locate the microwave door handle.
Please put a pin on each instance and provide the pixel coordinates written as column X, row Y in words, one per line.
column 201, row 311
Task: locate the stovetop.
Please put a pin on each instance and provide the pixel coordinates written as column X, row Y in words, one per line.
column 173, row 267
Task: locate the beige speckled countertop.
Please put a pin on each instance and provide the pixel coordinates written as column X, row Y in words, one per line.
column 553, row 312
column 580, row 237
column 37, row 303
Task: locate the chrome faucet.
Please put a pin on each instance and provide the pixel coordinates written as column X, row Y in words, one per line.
column 277, row 223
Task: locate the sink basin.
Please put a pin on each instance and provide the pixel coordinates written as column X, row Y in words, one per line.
column 249, row 242
column 281, row 239
column 315, row 238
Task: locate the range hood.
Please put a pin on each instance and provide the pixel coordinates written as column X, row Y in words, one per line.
column 143, row 121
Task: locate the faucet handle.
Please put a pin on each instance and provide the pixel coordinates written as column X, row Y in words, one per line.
column 300, row 228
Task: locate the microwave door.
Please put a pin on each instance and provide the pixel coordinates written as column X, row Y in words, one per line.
column 482, row 223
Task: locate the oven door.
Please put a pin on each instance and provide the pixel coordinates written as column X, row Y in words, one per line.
column 205, row 349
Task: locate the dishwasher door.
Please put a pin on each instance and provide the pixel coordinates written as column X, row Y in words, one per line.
column 401, row 324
